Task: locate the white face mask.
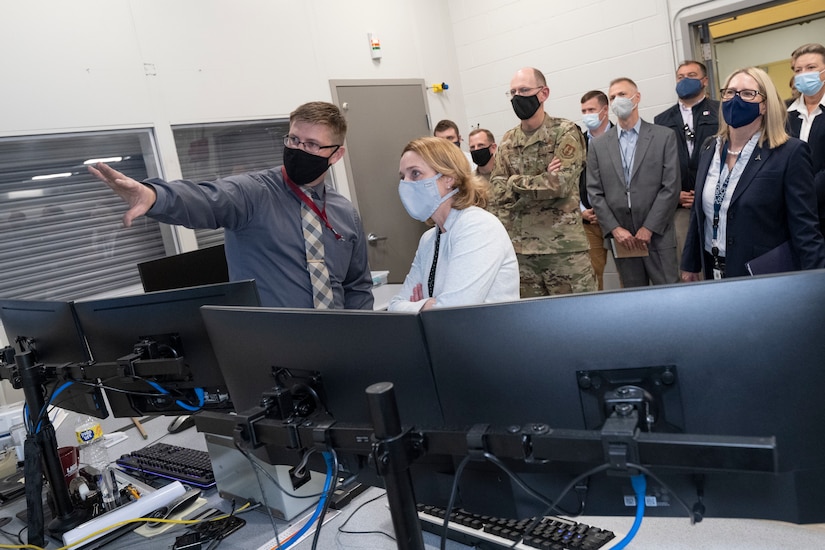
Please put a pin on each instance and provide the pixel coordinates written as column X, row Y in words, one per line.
column 591, row 121
column 623, row 106
column 421, row 198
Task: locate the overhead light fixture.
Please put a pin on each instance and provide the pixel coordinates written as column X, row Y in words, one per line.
column 108, row 159
column 52, row 176
column 25, row 194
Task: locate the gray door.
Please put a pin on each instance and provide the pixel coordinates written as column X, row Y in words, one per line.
column 382, row 117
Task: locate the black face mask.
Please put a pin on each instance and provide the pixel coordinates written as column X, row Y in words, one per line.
column 525, row 106
column 302, row 167
column 481, row 156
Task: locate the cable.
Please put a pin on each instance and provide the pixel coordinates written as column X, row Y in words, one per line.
column 185, row 406
column 274, row 481
column 533, row 524
column 328, row 497
column 263, row 492
column 529, row 490
column 666, row 487
column 639, row 486
column 162, row 392
column 321, row 504
column 451, row 502
column 44, row 411
column 341, row 527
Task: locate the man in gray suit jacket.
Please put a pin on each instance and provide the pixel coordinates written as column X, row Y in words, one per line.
column 633, row 182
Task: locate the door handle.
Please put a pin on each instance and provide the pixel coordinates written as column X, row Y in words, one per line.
column 373, row 238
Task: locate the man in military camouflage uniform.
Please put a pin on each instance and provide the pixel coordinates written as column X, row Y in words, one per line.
column 535, row 193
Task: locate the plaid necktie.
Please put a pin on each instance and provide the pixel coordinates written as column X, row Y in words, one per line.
column 316, row 266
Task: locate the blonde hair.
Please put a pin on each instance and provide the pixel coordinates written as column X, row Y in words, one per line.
column 448, row 160
column 773, row 121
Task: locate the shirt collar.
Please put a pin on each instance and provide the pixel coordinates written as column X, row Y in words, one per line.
column 451, row 218
column 635, row 128
column 799, row 106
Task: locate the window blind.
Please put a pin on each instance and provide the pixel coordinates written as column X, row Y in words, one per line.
column 61, row 233
column 210, row 151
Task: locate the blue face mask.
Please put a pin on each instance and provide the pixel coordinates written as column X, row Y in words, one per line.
column 421, row 198
column 688, row 88
column 807, row 83
column 591, row 121
column 738, row 112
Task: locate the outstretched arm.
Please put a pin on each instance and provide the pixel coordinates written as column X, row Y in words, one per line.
column 139, row 197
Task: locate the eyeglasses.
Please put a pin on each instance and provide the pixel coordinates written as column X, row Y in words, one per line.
column 689, row 134
column 747, row 95
column 521, row 91
column 309, row 146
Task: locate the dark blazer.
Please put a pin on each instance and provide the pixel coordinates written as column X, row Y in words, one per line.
column 583, row 178
column 705, row 124
column 774, row 201
column 816, row 141
column 654, row 188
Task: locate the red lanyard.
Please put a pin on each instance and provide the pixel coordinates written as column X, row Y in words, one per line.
column 322, row 214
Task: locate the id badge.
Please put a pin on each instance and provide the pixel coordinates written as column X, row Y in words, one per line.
column 717, row 274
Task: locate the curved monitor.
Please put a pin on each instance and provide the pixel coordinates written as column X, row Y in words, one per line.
column 740, row 357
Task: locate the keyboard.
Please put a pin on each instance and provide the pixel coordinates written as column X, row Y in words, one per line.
column 188, row 466
column 487, row 532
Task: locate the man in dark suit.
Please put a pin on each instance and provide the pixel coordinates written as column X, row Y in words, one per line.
column 694, row 118
column 596, row 122
column 805, row 115
column 633, row 183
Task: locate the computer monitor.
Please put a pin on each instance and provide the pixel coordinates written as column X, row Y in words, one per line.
column 169, row 332
column 54, row 336
column 350, row 349
column 196, row 268
column 740, row 357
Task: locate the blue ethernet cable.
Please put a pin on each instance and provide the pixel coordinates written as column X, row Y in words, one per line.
column 639, row 483
column 318, row 508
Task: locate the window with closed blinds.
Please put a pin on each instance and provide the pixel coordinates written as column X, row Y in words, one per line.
column 61, row 233
column 207, row 152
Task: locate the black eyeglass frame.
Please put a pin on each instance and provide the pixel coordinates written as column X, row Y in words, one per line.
column 734, row 93
column 309, row 146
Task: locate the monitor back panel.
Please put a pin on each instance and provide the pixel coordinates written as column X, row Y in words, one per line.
column 52, row 325
column 112, row 326
column 351, row 349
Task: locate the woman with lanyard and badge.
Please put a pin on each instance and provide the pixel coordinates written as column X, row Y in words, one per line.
column 756, row 188
column 467, row 258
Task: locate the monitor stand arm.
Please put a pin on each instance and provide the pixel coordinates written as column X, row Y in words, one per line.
column 66, row 517
column 393, row 451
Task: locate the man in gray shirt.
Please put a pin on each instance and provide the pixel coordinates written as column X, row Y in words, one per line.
column 261, row 213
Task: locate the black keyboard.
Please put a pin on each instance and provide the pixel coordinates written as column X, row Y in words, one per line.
column 489, row 532
column 171, row 462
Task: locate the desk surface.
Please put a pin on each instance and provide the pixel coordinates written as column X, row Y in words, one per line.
column 655, row 533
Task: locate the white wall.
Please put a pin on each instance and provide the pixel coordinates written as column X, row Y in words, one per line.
column 579, row 46
column 98, row 64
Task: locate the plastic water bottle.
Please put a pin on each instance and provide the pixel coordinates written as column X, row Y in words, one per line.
column 94, row 454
